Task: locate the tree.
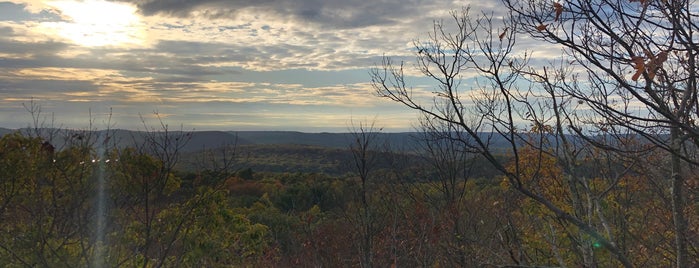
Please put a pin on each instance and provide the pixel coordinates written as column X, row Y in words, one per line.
column 640, row 62
column 450, row 167
column 365, row 148
column 142, row 181
column 548, row 112
column 47, row 217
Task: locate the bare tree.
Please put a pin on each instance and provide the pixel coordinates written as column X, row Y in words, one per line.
column 365, row 148
column 452, row 166
column 165, row 145
column 509, row 103
column 145, row 176
column 637, row 63
column 219, row 163
column 42, row 126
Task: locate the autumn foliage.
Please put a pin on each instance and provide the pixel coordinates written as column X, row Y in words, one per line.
column 283, row 220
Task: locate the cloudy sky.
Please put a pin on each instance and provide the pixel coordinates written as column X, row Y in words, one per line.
column 208, row 64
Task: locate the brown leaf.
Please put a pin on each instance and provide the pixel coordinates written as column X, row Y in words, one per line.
column 636, row 75
column 640, row 66
column 502, row 35
column 541, row 27
column 559, row 9
column 655, row 63
column 638, row 61
column 661, row 58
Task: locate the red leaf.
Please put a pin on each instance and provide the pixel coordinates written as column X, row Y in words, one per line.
column 541, row 27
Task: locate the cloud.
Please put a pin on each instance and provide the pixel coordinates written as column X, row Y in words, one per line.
column 281, row 35
column 334, row 13
column 253, row 62
column 25, row 12
column 17, row 49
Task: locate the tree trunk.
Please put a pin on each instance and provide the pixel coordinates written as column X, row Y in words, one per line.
column 677, row 181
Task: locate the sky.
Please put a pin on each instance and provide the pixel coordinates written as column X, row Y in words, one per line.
column 229, row 65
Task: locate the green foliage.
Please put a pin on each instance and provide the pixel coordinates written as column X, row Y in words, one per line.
column 300, row 192
column 218, row 235
column 141, row 174
column 42, row 193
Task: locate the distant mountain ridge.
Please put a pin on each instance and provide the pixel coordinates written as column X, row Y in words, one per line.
column 5, row 131
column 199, row 140
column 213, row 139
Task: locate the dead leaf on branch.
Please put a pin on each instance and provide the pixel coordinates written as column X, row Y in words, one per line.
column 541, row 27
column 502, row 35
column 640, row 65
column 559, row 9
column 655, row 62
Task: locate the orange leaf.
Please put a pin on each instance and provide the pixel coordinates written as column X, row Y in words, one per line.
column 559, row 9
column 541, row 27
column 502, row 35
column 640, row 65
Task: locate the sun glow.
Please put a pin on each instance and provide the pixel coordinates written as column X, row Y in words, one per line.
column 98, row 23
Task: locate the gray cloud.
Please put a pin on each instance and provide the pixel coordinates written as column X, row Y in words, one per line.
column 6, row 31
column 182, row 59
column 40, row 87
column 27, row 48
column 16, row 12
column 334, row 13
